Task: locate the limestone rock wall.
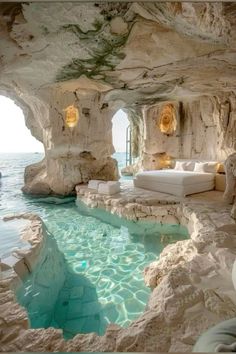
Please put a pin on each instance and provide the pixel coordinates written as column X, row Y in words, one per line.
column 156, row 143
column 73, row 155
column 208, row 128
column 205, row 129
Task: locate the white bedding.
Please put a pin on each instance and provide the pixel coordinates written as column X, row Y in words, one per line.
column 175, row 182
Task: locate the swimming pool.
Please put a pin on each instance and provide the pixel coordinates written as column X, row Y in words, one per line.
column 100, row 259
column 103, row 268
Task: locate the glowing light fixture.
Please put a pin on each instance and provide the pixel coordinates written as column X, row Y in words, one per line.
column 71, row 116
column 167, row 122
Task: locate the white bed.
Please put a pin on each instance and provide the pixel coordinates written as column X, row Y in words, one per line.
column 171, row 181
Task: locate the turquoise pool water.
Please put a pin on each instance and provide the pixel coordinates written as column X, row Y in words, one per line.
column 104, row 264
column 104, row 260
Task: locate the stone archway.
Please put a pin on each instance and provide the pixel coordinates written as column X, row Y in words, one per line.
column 72, row 156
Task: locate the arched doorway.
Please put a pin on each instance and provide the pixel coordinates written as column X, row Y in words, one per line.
column 120, row 124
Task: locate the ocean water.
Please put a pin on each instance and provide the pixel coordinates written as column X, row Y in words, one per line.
column 108, row 253
column 12, row 200
column 120, row 157
column 12, row 168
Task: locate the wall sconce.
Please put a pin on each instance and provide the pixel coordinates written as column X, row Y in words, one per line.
column 167, row 122
column 71, row 116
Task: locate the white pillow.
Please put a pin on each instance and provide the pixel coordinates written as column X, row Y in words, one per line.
column 184, row 165
column 199, row 167
column 211, row 167
column 179, row 166
column 208, row 167
column 189, row 165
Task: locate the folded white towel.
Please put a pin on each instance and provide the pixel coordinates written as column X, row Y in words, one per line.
column 94, row 183
column 113, row 183
column 109, row 188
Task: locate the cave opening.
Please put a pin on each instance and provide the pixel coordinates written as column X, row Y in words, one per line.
column 15, row 137
column 120, row 124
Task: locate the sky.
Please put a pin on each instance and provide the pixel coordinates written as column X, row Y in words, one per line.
column 119, row 124
column 16, row 137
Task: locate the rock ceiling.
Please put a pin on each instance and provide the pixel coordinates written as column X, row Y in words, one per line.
column 139, row 53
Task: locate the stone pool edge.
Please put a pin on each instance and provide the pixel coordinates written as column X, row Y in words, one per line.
column 179, row 291
column 24, row 261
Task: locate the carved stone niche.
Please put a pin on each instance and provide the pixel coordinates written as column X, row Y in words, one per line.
column 167, row 122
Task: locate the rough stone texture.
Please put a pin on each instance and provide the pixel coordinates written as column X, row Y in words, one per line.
column 102, row 57
column 210, row 119
column 134, row 203
column 73, row 155
column 205, row 130
column 230, row 191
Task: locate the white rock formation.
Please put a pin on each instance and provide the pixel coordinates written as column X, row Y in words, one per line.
column 205, row 130
column 230, row 191
column 102, row 57
column 73, row 155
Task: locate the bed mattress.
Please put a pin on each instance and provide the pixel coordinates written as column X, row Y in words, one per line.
column 180, row 183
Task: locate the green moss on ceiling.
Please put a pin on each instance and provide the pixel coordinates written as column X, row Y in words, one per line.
column 78, row 31
column 105, row 50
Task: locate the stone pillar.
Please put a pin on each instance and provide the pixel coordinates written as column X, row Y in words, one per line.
column 74, row 155
column 208, row 127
